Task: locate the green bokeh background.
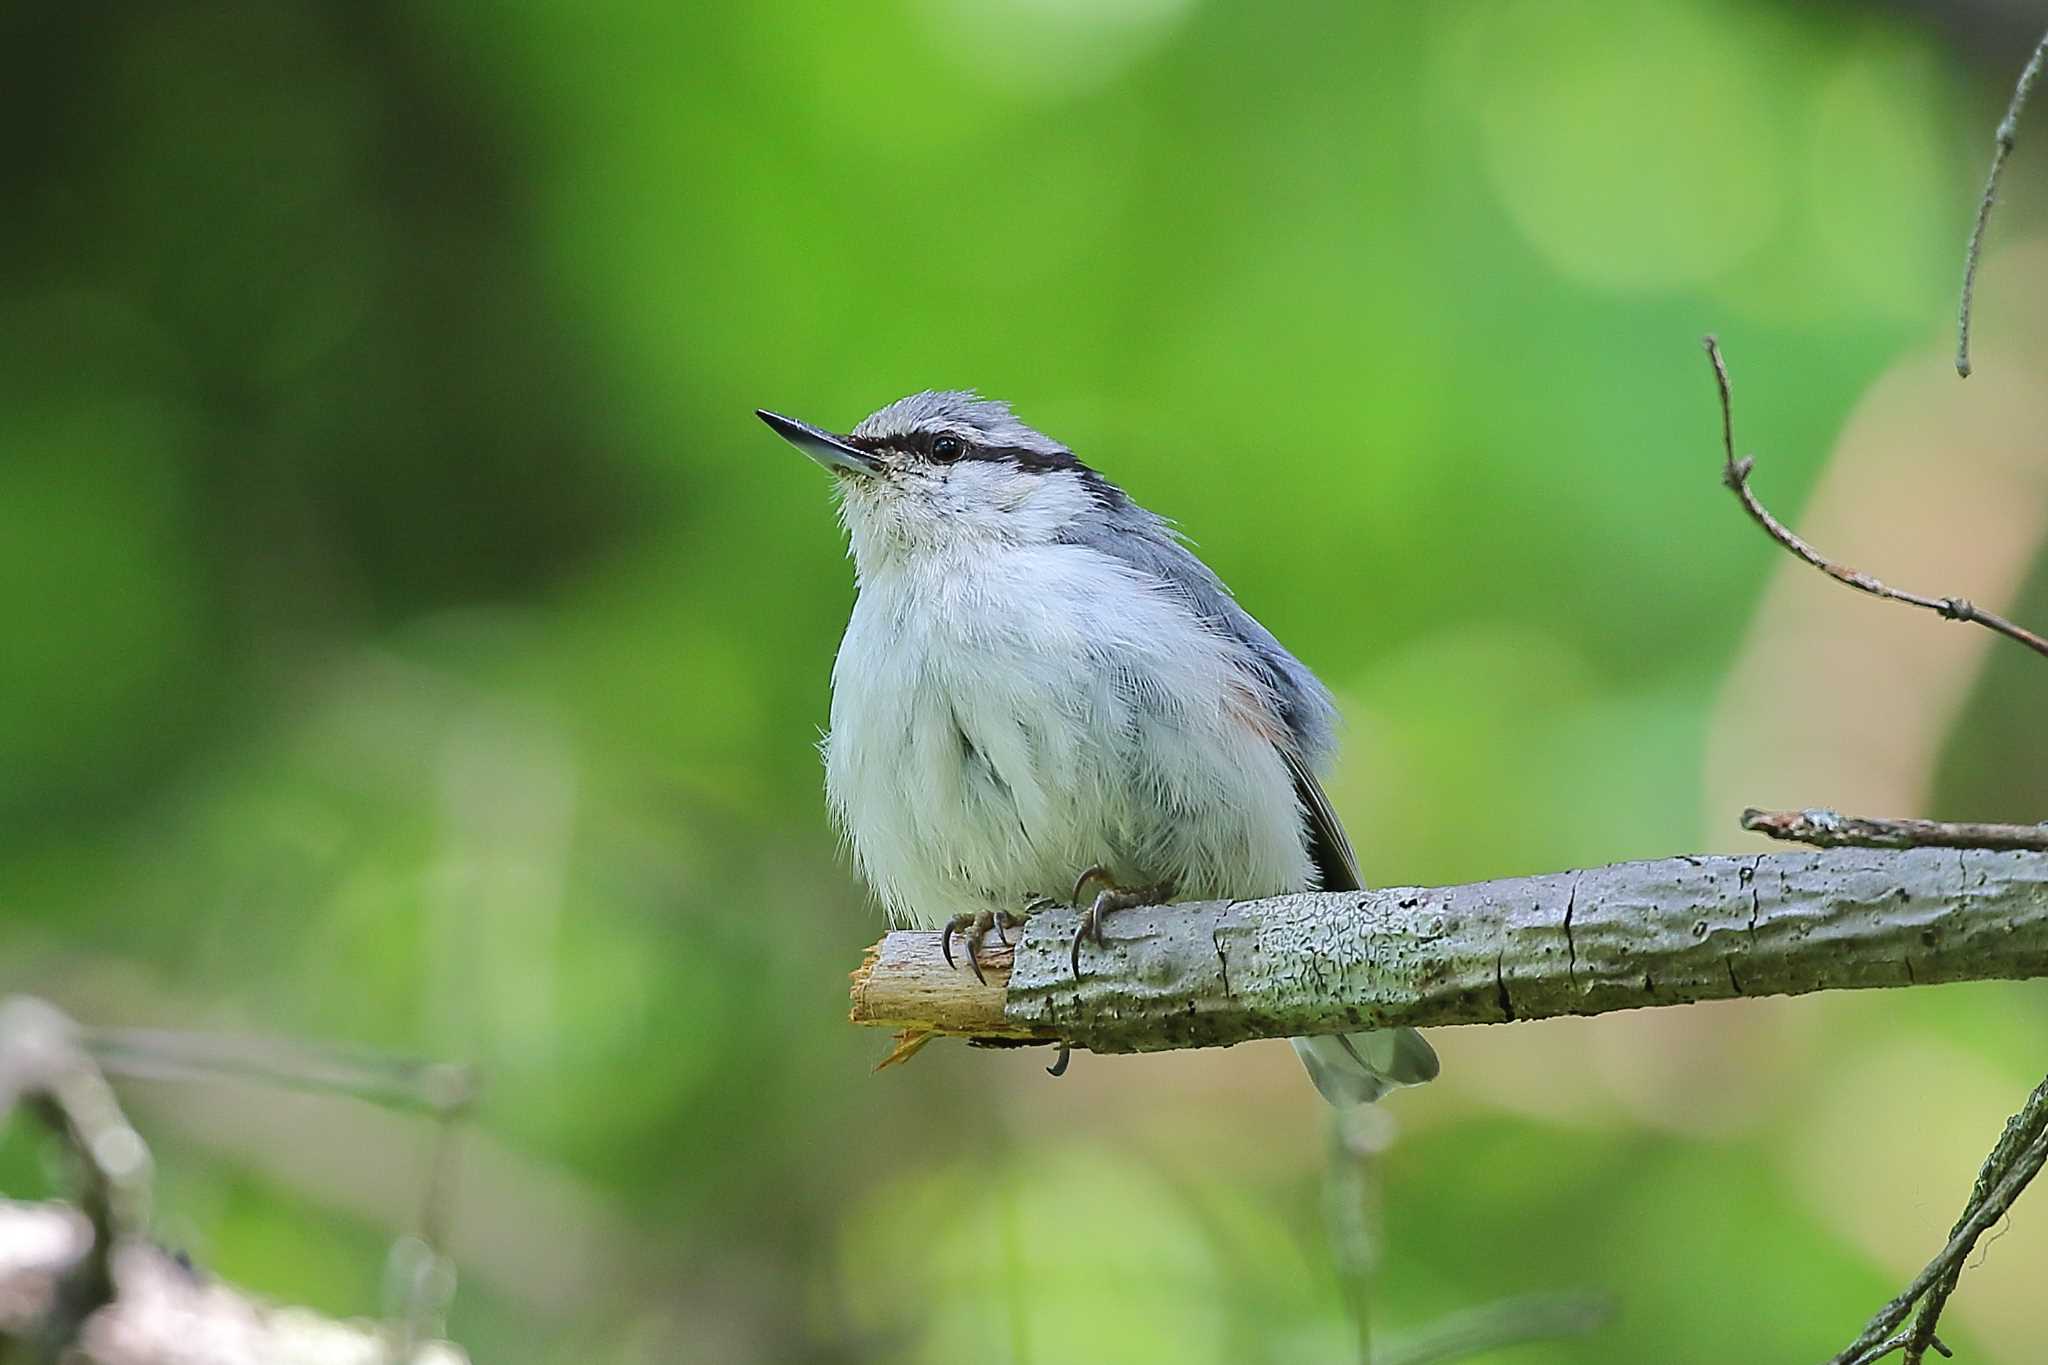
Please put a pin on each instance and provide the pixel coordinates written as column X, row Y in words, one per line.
column 414, row 641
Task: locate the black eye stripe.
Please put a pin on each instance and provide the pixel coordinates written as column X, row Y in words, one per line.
column 925, row 443
column 920, row 443
column 1024, row 457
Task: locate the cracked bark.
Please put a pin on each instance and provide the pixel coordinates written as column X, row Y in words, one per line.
column 1665, row 932
column 1571, row 946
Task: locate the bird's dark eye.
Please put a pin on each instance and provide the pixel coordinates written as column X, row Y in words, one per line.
column 947, row 448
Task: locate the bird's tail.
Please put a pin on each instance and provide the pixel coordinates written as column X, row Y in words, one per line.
column 1358, row 1068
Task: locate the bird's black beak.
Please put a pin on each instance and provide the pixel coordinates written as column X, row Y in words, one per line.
column 828, row 450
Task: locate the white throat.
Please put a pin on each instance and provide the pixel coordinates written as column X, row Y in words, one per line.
column 975, row 507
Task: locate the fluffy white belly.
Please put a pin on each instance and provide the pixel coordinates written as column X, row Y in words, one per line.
column 1003, row 720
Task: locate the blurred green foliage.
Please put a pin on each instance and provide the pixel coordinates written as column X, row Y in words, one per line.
column 415, row 641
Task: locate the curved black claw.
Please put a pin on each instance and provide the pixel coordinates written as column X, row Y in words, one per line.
column 1003, row 921
column 973, row 930
column 976, row 932
column 1059, row 1068
column 1097, row 873
column 1111, row 897
column 1107, row 899
column 958, row 924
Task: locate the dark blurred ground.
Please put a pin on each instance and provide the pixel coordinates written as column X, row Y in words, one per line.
column 416, row 642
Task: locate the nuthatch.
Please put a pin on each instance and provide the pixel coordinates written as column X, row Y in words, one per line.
column 1042, row 682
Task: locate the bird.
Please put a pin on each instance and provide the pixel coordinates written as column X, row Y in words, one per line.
column 1042, row 687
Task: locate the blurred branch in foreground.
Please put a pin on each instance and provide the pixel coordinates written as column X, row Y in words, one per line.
column 1359, row 1137
column 445, row 1090
column 1665, row 932
column 1735, row 473
column 163, row 1312
column 2007, row 136
column 86, row 1286
column 1490, row 1327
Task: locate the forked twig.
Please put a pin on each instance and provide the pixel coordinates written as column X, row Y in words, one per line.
column 2030, row 1125
column 1735, row 473
column 2014, row 1162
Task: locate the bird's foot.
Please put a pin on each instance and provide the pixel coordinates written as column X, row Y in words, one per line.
column 974, row 926
column 1110, row 897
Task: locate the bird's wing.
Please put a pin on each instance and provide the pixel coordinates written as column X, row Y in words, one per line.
column 1124, row 531
column 1336, row 865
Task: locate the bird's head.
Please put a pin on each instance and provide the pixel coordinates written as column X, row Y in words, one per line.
column 948, row 470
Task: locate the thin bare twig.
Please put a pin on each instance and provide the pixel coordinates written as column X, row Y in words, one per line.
column 1877, row 1337
column 2008, row 134
column 1827, row 829
column 1735, row 473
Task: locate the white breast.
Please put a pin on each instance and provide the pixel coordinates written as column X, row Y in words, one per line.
column 1006, row 717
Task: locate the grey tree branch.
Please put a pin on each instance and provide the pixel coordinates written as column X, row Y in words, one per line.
column 1735, row 473
column 1666, row 932
column 2008, row 134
